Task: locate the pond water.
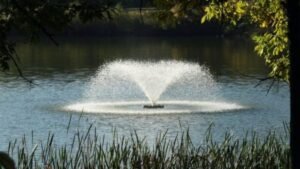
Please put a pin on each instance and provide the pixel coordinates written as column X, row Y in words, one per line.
column 63, row 73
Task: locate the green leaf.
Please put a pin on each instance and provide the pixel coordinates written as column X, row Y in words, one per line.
column 203, row 19
column 6, row 161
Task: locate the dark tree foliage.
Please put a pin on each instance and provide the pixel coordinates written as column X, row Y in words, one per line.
column 33, row 18
column 135, row 3
column 174, row 12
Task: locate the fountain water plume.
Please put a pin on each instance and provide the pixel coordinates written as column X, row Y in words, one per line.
column 119, row 87
column 152, row 78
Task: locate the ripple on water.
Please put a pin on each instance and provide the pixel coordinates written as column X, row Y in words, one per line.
column 136, row 107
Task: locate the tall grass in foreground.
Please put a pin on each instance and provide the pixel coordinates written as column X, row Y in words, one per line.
column 87, row 150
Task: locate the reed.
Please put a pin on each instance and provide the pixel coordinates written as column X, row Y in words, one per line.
column 88, row 150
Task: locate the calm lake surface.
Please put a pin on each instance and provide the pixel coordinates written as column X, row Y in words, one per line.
column 61, row 75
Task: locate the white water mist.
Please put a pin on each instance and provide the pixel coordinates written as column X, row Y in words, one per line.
column 152, row 78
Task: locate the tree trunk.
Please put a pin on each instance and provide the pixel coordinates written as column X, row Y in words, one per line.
column 293, row 11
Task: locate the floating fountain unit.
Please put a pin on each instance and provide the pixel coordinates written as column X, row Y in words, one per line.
column 153, row 106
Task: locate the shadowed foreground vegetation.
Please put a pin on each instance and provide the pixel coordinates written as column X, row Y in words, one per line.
column 88, row 150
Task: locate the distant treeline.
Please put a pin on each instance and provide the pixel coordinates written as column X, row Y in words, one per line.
column 130, row 22
column 135, row 3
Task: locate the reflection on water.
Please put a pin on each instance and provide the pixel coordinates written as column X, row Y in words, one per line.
column 62, row 73
column 220, row 55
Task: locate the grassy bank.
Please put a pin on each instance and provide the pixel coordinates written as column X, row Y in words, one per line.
column 88, row 150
